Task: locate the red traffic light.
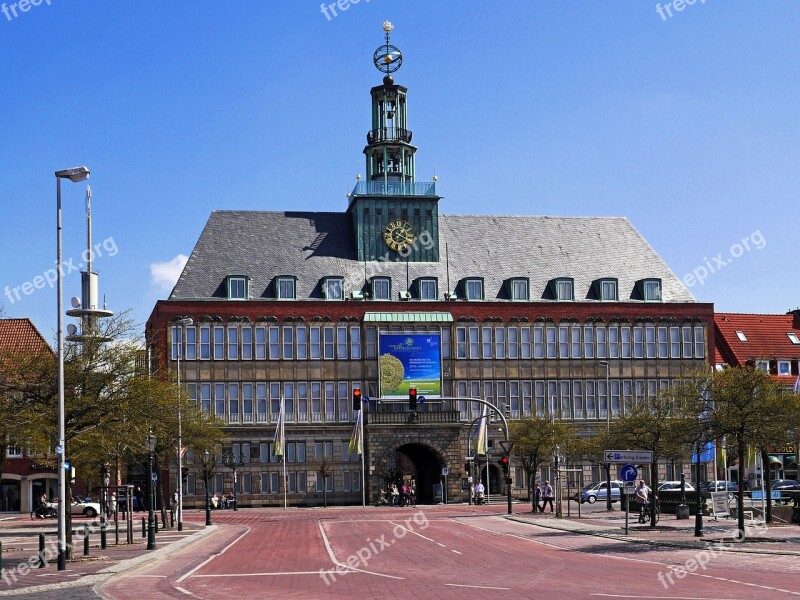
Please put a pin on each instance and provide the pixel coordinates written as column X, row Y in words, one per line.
column 356, row 399
column 504, row 460
column 412, row 398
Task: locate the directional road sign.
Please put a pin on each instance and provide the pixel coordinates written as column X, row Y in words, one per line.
column 628, row 473
column 628, row 456
column 445, row 471
column 421, row 399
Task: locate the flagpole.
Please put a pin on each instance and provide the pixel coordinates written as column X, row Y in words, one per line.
column 283, row 441
column 363, row 474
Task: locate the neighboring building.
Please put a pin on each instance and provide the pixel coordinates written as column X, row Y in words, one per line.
column 573, row 315
column 769, row 343
column 24, row 478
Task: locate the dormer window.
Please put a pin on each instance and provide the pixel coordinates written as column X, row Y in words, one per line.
column 563, row 289
column 286, row 287
column 651, row 290
column 381, row 288
column 427, row 289
column 608, row 290
column 473, row 289
column 518, row 289
column 762, row 365
column 333, row 288
column 237, row 287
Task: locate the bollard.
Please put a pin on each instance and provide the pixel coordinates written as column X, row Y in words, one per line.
column 1, row 556
column 155, row 521
column 42, row 563
column 86, row 541
column 172, row 520
column 144, row 528
column 103, row 533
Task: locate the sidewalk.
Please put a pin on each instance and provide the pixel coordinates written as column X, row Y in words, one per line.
column 761, row 538
column 21, row 574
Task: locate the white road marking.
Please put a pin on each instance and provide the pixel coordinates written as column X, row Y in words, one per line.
column 259, row 574
column 209, row 559
column 478, row 587
column 456, row 551
column 180, row 589
column 657, row 597
column 441, row 544
column 411, row 531
column 338, row 564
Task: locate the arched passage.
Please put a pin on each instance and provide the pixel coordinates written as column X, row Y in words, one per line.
column 417, row 462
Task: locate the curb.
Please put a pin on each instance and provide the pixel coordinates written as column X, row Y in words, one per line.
column 730, row 547
column 103, row 575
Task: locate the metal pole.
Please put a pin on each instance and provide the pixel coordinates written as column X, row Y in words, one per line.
column 180, row 438
column 698, row 518
column 208, row 501
column 363, row 475
column 151, row 531
column 60, row 450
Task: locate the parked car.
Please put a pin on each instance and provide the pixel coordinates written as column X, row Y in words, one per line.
column 719, row 486
column 674, row 485
column 785, row 484
column 87, row 509
column 597, row 491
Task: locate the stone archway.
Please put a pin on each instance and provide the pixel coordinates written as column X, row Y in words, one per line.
column 417, row 459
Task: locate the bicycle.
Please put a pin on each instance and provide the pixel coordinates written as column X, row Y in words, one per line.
column 646, row 515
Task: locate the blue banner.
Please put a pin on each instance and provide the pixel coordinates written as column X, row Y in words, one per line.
column 410, row 360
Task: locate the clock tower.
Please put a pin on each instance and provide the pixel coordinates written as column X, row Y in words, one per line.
column 394, row 215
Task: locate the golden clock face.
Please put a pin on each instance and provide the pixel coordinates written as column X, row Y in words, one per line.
column 398, row 235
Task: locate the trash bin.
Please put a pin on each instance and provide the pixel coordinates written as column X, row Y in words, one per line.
column 682, row 512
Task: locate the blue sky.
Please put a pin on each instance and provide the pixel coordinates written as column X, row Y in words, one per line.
column 688, row 125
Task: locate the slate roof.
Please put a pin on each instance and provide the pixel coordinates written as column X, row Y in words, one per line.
column 766, row 337
column 21, row 335
column 313, row 245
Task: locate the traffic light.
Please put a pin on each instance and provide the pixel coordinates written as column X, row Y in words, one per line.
column 412, row 399
column 504, row 464
column 356, row 399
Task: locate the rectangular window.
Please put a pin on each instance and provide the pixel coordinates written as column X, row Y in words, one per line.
column 288, row 343
column 525, row 342
column 191, row 343
column 663, row 343
column 784, row 367
column 330, row 402
column 334, row 288
column 446, row 343
column 205, row 398
column 302, row 342
column 639, row 392
column 615, row 395
column 627, row 396
column 274, row 401
column 274, row 343
column 461, row 342
column 288, row 399
column 316, row 402
column 566, row 402
column 575, row 332
column 486, row 335
column 261, row 343
column 588, row 342
column 591, row 407
column 552, row 344
column 205, row 343
column 552, row 397
column 675, row 342
column 687, row 342
column 602, row 396
column 275, row 486
column 577, row 399
column 219, row 400
column 265, row 483
column 233, row 343
column 538, row 342
column 381, row 289
column 625, row 335
column 652, row 291
column 344, row 402
column 793, row 338
column 247, row 402
column 328, row 343
column 699, row 342
column 247, row 483
column 500, row 343
column 513, row 396
column 474, row 289
column 177, row 342
column 261, row 402
column 302, row 402
column 263, row 453
column 474, row 342
column 427, row 289
column 527, row 398
column 237, row 288
column 316, row 347
column 638, row 342
column 613, row 342
column 563, row 342
column 564, row 289
column 650, row 338
column 513, row 343
column 519, row 289
column 540, row 398
column 608, row 290
column 247, row 342
column 372, row 342
column 341, row 343
column 219, row 343
column 286, row 288
column 355, row 343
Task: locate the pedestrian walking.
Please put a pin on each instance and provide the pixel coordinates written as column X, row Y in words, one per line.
column 174, row 504
column 642, row 495
column 537, row 499
column 547, row 493
column 111, row 505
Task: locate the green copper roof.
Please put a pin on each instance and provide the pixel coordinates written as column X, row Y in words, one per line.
column 408, row 317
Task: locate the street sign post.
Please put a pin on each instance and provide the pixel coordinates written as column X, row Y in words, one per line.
column 628, row 489
column 628, row 456
column 628, row 473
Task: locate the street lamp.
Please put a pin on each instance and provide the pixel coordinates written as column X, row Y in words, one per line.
column 75, row 175
column 698, row 519
column 151, row 524
column 207, row 467
column 608, row 429
column 181, row 323
column 229, row 460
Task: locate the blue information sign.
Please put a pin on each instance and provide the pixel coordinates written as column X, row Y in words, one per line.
column 628, row 473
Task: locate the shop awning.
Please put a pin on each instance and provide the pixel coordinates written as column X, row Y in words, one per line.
column 408, row 317
column 774, row 460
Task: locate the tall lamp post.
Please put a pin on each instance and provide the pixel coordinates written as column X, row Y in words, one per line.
column 207, row 468
column 698, row 518
column 76, row 174
column 229, row 460
column 181, row 323
column 151, row 523
column 605, row 364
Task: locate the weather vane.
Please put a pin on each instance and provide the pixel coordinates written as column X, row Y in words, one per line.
column 387, row 58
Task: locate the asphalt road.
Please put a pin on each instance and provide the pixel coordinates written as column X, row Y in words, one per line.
column 440, row 552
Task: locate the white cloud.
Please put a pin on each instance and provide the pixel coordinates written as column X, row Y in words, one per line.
column 165, row 275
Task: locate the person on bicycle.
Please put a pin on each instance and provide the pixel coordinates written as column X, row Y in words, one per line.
column 394, row 495
column 479, row 497
column 642, row 496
